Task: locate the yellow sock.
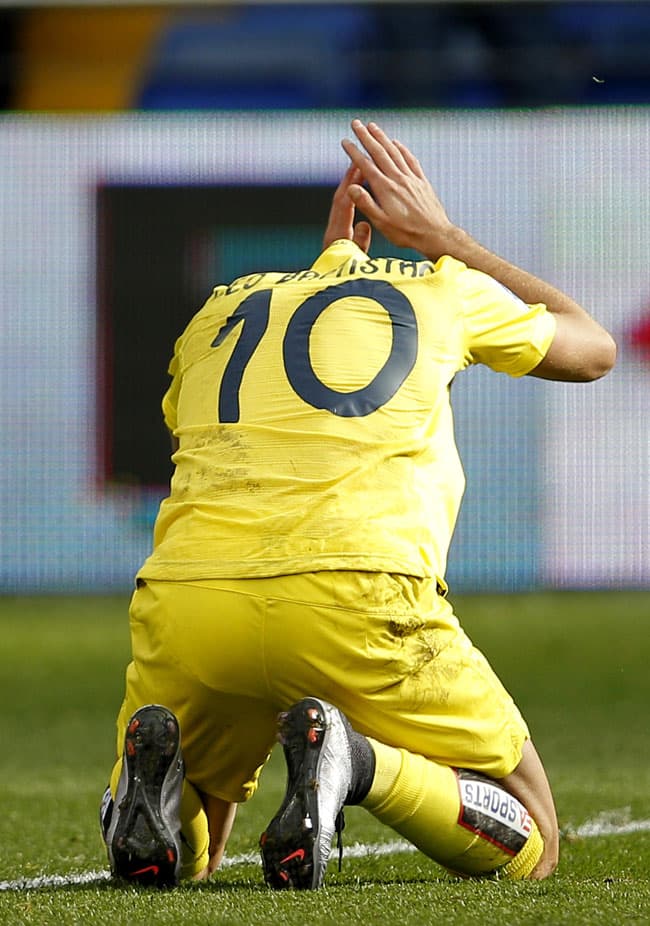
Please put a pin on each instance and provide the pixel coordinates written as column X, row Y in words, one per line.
column 195, row 838
column 421, row 800
column 523, row 863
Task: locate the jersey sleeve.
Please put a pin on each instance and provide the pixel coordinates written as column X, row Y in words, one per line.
column 501, row 331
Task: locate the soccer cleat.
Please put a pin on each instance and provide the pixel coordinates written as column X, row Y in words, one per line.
column 297, row 842
column 143, row 834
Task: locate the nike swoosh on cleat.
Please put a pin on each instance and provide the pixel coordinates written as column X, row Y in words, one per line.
column 299, row 854
column 143, row 871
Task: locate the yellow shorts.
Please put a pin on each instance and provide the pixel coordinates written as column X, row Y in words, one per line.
column 227, row 655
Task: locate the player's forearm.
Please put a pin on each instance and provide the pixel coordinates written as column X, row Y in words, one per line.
column 582, row 350
column 531, row 289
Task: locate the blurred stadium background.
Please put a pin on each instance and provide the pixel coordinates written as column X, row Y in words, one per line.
column 141, row 153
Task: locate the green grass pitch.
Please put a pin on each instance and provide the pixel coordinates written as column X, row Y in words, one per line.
column 577, row 663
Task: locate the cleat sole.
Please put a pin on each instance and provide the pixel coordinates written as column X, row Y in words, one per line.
column 143, row 847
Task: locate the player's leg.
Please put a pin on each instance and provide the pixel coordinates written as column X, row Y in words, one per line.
column 453, row 710
column 406, row 675
column 465, row 821
column 194, row 651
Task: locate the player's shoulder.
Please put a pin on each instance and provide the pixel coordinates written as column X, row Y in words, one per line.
column 450, row 267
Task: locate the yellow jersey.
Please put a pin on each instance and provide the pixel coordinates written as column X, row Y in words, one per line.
column 313, row 417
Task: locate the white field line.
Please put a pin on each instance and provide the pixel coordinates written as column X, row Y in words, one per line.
column 611, row 824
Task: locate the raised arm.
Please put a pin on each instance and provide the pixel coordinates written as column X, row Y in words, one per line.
column 341, row 222
column 402, row 204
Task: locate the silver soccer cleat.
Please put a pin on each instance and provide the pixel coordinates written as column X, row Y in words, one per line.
column 297, row 842
column 143, row 833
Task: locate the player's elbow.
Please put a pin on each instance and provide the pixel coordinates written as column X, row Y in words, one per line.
column 577, row 355
column 600, row 358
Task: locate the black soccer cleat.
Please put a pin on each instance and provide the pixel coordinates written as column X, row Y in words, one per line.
column 143, row 834
column 296, row 844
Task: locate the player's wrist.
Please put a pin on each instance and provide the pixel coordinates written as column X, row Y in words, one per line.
column 445, row 239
